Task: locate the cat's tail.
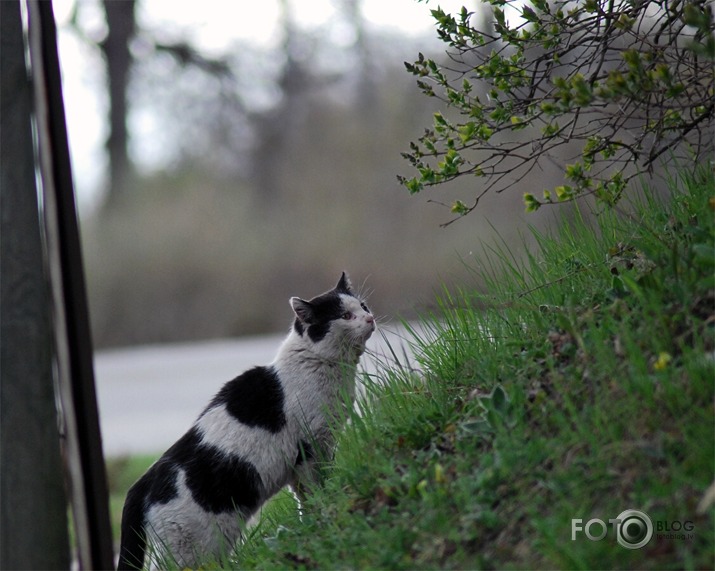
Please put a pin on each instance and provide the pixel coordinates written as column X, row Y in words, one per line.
column 133, row 543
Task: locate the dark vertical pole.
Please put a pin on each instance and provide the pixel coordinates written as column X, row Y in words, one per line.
column 33, row 504
column 73, row 344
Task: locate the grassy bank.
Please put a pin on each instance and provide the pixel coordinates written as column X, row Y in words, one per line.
column 584, row 390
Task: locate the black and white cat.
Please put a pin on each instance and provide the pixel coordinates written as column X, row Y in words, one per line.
column 266, row 429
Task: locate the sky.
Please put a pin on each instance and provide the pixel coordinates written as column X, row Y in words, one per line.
column 211, row 26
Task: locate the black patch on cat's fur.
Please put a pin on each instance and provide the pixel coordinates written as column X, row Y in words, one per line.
column 218, row 482
column 158, row 485
column 254, row 398
column 133, row 547
column 163, row 482
column 298, row 326
column 326, row 308
column 163, row 473
column 223, row 483
column 305, row 453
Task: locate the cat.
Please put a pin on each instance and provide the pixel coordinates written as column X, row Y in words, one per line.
column 268, row 428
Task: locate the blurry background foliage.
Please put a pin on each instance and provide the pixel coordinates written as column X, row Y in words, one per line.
column 278, row 171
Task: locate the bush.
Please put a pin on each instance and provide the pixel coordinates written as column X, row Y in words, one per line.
column 630, row 83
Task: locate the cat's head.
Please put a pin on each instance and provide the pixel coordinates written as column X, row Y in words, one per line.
column 336, row 323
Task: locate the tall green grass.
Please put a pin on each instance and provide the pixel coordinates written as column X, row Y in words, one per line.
column 578, row 384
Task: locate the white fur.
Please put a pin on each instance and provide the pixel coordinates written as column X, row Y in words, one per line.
column 181, row 531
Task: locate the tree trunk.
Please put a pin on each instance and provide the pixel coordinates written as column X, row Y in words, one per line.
column 275, row 127
column 116, row 48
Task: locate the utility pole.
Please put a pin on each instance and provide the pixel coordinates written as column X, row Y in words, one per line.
column 48, row 405
column 33, row 504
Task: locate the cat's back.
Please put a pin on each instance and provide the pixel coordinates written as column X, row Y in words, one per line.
column 247, row 424
column 254, row 399
column 218, row 462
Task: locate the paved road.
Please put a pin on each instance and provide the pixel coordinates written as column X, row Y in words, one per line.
column 149, row 396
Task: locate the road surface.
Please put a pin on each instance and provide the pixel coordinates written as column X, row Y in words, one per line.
column 149, row 396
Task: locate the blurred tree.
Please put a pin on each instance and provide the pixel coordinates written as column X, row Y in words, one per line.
column 195, row 252
column 116, row 48
column 279, row 166
column 222, row 125
column 271, row 128
column 364, row 69
column 121, row 27
column 300, row 81
column 632, row 82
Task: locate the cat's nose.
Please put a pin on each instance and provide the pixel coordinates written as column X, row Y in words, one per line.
column 370, row 318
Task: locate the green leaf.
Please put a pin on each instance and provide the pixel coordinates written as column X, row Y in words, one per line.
column 467, row 131
column 458, row 207
column 427, row 174
column 485, row 132
column 499, row 398
column 439, row 119
column 564, row 193
column 531, row 203
column 413, row 185
column 499, row 16
column 574, row 172
column 695, row 16
column 476, row 427
column 529, row 15
column 551, row 129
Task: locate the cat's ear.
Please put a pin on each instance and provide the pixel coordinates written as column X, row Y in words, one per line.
column 303, row 309
column 344, row 285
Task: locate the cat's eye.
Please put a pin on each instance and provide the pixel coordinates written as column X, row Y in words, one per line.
column 364, row 307
column 347, row 315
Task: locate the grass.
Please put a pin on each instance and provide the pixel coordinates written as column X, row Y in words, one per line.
column 122, row 472
column 584, row 388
